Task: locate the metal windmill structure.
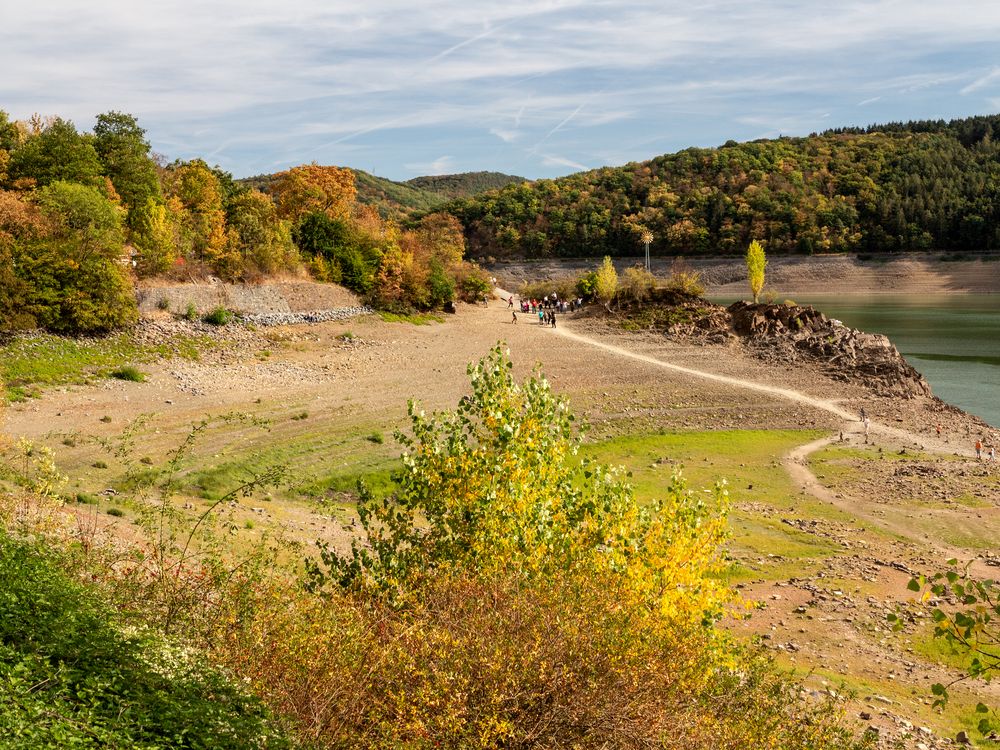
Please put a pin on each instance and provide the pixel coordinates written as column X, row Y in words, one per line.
column 647, row 239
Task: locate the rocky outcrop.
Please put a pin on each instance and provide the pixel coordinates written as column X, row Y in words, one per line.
column 786, row 334
column 790, row 332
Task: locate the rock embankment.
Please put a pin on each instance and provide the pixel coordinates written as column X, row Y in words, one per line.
column 790, row 332
column 295, row 318
column 787, row 334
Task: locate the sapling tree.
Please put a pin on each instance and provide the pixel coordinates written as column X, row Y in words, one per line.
column 756, row 263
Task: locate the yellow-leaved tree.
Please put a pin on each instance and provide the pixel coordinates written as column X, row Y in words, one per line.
column 756, row 263
column 606, row 281
column 510, row 593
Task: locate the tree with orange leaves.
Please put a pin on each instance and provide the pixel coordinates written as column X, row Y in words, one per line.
column 311, row 188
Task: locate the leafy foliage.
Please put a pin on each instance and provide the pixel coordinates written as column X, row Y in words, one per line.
column 756, row 264
column 606, row 281
column 969, row 625
column 71, row 676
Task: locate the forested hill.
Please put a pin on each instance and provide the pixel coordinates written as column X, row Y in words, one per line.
column 901, row 186
column 464, row 185
column 398, row 200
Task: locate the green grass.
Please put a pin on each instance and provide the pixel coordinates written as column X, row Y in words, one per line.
column 71, row 677
column 417, row 319
column 744, row 458
column 29, row 364
column 129, row 373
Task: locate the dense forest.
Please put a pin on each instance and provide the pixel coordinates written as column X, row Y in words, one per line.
column 83, row 214
column 927, row 185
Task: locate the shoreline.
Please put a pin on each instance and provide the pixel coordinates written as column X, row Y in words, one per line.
column 925, row 273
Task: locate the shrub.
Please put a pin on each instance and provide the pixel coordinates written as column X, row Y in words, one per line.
column 116, row 512
column 637, row 284
column 130, row 373
column 190, row 312
column 684, row 279
column 516, row 597
column 375, row 437
column 219, row 316
column 70, row 678
column 163, row 304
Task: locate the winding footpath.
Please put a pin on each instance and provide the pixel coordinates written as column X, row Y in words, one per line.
column 796, row 461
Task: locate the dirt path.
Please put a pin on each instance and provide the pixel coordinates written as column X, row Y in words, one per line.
column 796, row 461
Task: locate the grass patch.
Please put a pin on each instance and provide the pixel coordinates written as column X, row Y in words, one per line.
column 745, row 458
column 417, row 319
column 31, row 363
column 219, row 316
column 129, row 373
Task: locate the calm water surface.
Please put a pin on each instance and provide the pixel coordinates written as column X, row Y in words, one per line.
column 953, row 340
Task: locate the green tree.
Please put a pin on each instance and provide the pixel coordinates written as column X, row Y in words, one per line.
column 124, row 151
column 606, row 281
column 756, row 263
column 76, row 273
column 57, row 152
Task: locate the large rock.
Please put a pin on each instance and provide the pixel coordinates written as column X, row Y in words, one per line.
column 793, row 331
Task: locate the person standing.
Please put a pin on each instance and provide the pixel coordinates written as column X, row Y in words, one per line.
column 979, row 450
column 514, row 313
column 541, row 316
column 552, row 319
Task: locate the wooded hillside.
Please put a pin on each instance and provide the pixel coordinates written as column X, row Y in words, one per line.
column 901, row 186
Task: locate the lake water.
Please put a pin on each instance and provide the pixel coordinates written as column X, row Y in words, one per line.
column 953, row 340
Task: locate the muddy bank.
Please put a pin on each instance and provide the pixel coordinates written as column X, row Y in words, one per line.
column 924, row 273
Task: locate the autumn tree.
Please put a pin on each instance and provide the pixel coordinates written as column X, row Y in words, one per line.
column 264, row 242
column 77, row 279
column 312, row 188
column 606, row 281
column 756, row 263
column 20, row 223
column 198, row 190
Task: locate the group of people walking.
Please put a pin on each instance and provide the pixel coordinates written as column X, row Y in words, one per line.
column 545, row 308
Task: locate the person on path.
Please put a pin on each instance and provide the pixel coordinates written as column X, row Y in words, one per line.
column 541, row 317
column 514, row 313
column 862, row 414
column 552, row 319
column 510, row 303
column 867, row 427
column 979, row 450
column 993, row 454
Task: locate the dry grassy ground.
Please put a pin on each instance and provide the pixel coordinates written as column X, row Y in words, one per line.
column 824, row 535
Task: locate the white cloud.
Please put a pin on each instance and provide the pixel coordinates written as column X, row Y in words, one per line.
column 257, row 82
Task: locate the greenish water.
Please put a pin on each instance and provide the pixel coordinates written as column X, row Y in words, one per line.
column 953, row 340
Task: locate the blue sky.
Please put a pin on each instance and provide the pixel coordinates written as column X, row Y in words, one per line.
column 538, row 88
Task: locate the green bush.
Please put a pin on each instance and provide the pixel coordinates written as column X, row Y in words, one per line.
column 163, row 304
column 70, row 677
column 220, row 316
column 116, row 512
column 190, row 312
column 130, row 373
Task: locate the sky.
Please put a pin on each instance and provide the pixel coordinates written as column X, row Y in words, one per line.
column 536, row 88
